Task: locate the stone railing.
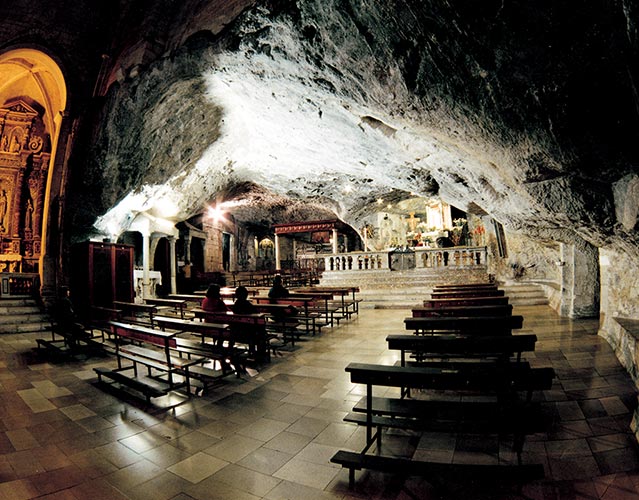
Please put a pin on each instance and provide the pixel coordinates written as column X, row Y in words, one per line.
column 19, row 284
column 407, row 258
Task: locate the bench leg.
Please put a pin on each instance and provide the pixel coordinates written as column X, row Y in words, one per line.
column 351, row 477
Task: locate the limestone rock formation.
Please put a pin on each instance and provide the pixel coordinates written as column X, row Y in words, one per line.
column 526, row 111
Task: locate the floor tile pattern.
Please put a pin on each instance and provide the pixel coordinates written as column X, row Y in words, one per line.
column 271, row 436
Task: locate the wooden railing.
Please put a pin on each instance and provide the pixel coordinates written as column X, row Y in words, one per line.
column 402, row 259
column 19, row 284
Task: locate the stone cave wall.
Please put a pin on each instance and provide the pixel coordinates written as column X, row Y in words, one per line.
column 527, row 260
column 619, row 298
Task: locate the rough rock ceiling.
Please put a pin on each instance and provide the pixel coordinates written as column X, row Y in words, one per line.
column 526, row 111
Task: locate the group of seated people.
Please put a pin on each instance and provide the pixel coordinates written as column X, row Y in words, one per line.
column 213, row 301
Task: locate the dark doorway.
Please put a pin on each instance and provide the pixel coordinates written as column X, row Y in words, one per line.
column 162, row 263
column 226, row 251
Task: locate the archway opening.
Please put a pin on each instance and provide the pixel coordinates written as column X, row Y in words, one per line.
column 33, row 97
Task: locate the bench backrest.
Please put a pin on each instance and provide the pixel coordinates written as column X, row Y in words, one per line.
column 479, row 324
column 490, row 310
column 230, row 318
column 142, row 334
column 466, row 301
column 462, row 345
column 462, row 286
column 452, row 294
column 488, row 377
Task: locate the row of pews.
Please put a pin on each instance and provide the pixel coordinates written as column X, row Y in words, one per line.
column 461, row 369
column 170, row 343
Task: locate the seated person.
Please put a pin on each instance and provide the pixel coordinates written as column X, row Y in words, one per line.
column 66, row 319
column 213, row 302
column 278, row 291
column 242, row 305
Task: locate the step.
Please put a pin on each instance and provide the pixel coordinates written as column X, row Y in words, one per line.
column 25, row 327
column 20, row 309
column 23, row 318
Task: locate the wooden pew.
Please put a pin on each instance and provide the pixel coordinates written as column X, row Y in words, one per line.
column 506, row 413
column 247, row 329
column 177, row 305
column 139, row 345
column 479, row 325
column 349, row 305
column 464, row 302
column 453, row 347
column 136, row 313
column 214, row 343
column 462, row 294
column 282, row 320
column 490, row 310
column 303, row 305
column 323, row 304
column 466, row 286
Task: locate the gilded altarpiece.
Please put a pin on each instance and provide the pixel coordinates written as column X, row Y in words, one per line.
column 25, row 151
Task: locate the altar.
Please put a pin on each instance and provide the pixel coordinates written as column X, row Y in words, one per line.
column 155, row 279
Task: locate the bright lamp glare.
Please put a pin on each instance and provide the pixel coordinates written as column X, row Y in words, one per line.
column 216, row 214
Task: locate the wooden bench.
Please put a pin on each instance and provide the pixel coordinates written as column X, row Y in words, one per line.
column 321, row 303
column 139, row 345
column 506, row 413
column 178, row 305
column 69, row 341
column 347, row 300
column 459, row 351
column 464, row 302
column 303, row 305
column 136, row 313
column 465, row 286
column 100, row 318
column 479, row 325
column 463, row 294
column 436, row 471
column 490, row 310
column 461, row 346
column 220, row 350
column 247, row 329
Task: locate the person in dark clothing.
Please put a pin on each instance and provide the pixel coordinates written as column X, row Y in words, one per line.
column 242, row 305
column 66, row 321
column 278, row 291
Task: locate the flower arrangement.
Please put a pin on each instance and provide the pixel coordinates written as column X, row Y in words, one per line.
column 478, row 234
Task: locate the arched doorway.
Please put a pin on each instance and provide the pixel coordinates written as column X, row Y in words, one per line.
column 33, row 97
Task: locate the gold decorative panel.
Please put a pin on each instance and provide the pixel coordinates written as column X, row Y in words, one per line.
column 24, row 162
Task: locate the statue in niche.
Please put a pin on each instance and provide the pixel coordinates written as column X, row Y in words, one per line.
column 28, row 216
column 4, row 205
column 15, row 145
column 5, row 143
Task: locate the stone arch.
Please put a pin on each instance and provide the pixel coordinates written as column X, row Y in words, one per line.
column 33, row 100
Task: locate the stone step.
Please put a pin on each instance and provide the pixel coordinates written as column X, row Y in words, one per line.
column 18, row 302
column 25, row 327
column 20, row 309
column 18, row 319
column 22, row 315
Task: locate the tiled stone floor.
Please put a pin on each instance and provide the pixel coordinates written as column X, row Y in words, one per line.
column 271, row 436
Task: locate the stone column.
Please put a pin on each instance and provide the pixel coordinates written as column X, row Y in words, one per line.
column 146, row 279
column 335, row 236
column 173, row 269
column 580, row 285
column 277, row 252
